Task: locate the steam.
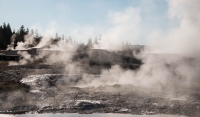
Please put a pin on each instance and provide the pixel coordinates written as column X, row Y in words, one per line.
column 29, row 40
column 170, row 60
column 185, row 37
column 124, row 27
column 11, row 46
column 62, row 51
column 182, row 45
column 14, row 98
column 26, row 58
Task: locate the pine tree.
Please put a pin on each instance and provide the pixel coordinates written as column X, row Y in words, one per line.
column 89, row 44
column 22, row 33
column 27, row 31
column 5, row 35
column 13, row 31
column 9, row 34
column 1, row 38
column 95, row 41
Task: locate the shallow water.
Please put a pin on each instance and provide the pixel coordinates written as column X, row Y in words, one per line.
column 86, row 115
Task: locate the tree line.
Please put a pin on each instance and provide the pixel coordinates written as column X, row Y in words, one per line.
column 6, row 34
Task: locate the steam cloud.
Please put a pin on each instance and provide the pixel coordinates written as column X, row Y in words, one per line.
column 171, row 60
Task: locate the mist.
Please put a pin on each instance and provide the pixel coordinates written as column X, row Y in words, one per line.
column 169, row 60
column 139, row 57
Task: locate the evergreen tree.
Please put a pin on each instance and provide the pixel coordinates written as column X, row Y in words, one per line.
column 5, row 35
column 9, row 34
column 5, row 32
column 36, row 33
column 95, row 41
column 89, row 44
column 27, row 31
column 4, row 28
column 13, row 31
column 22, row 33
column 2, row 42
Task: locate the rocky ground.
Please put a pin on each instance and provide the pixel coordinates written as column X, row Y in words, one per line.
column 50, row 93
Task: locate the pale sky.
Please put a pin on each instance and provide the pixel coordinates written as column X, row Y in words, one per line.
column 131, row 20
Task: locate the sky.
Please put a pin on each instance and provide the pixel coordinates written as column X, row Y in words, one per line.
column 130, row 20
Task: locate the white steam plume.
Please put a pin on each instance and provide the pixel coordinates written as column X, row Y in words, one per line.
column 172, row 61
column 12, row 39
column 124, row 27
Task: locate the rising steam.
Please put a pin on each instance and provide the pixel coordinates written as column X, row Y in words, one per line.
column 171, row 60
